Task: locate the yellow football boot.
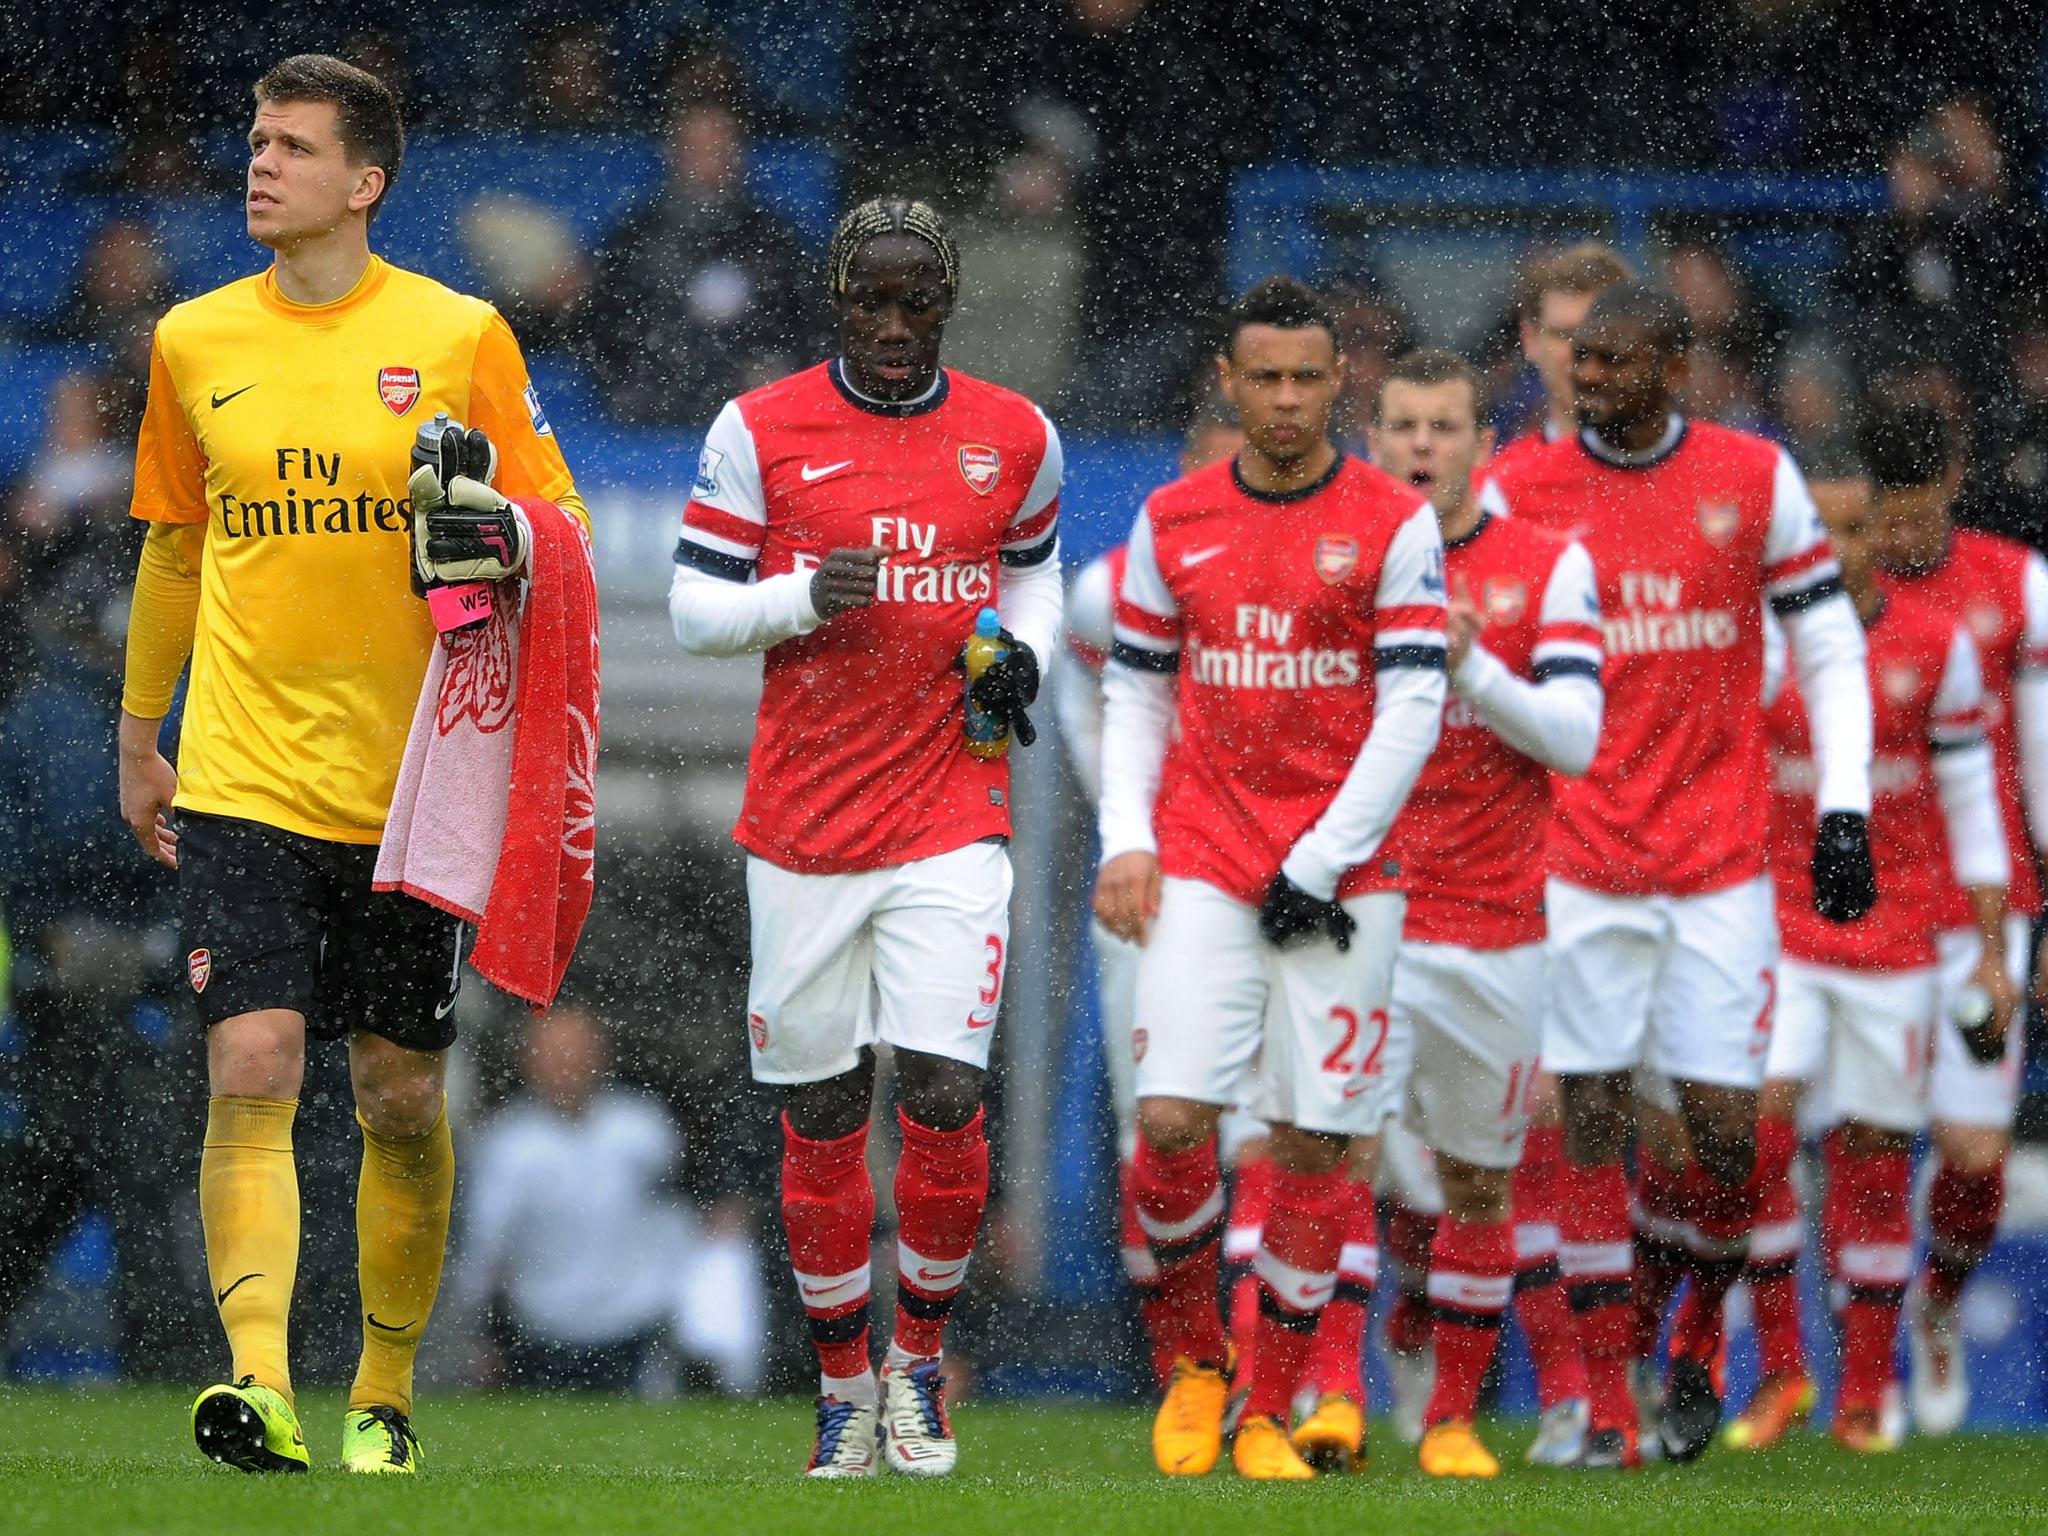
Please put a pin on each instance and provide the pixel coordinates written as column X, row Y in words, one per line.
column 379, row 1440
column 249, row 1427
column 1781, row 1401
column 1187, row 1434
column 1261, row 1449
column 1452, row 1449
column 1332, row 1437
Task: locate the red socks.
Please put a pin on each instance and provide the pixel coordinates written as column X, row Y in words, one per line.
column 1410, row 1235
column 1338, row 1362
column 828, row 1211
column 1180, row 1208
column 1772, row 1275
column 1251, row 1196
column 941, row 1191
column 1717, row 1237
column 1962, row 1220
column 1867, row 1204
column 1470, row 1279
column 1297, row 1269
column 1143, row 1272
column 1657, row 1208
column 1597, row 1256
column 1540, row 1305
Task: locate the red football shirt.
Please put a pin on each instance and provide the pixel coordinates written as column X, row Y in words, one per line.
column 1688, row 542
column 1998, row 590
column 1277, row 612
column 1470, row 838
column 859, row 761
column 1925, row 697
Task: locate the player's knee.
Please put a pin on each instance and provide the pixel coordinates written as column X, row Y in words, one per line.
column 1974, row 1150
column 938, row 1092
column 1594, row 1123
column 1727, row 1151
column 398, row 1091
column 1175, row 1125
column 257, row 1056
column 1474, row 1194
column 1309, row 1153
column 1862, row 1140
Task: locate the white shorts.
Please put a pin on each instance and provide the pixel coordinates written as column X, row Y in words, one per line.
column 1865, row 1038
column 1966, row 1091
column 1467, row 1027
column 1407, row 1170
column 1680, row 984
column 911, row 955
column 1214, row 998
column 1116, row 990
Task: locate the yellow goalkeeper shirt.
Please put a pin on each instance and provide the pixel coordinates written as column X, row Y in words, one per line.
column 287, row 430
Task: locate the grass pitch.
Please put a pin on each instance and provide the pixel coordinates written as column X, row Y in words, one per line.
column 122, row 1460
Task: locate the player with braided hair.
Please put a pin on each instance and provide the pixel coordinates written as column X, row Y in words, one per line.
column 852, row 521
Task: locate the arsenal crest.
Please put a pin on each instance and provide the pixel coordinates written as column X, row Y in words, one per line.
column 1335, row 556
column 1718, row 521
column 980, row 467
column 1505, row 600
column 398, row 388
column 199, row 966
column 1985, row 621
column 757, row 1031
column 1139, row 1039
column 1900, row 683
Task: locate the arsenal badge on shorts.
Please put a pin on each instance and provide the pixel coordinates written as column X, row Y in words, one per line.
column 1505, row 600
column 398, row 388
column 1335, row 556
column 1139, row 1040
column 757, row 1031
column 981, row 467
column 1718, row 521
column 199, row 966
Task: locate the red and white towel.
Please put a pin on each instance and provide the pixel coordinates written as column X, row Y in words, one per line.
column 499, row 826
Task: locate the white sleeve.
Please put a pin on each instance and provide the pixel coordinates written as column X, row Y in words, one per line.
column 1029, row 601
column 1077, row 674
column 1407, row 716
column 1963, row 774
column 715, row 617
column 2030, row 701
column 1033, row 535
column 1803, row 584
column 1556, row 717
column 1137, row 700
column 1775, row 660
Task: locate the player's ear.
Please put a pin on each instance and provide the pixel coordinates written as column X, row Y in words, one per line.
column 368, row 188
column 1487, row 438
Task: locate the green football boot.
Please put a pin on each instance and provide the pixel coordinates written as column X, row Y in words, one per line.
column 379, row 1440
column 249, row 1427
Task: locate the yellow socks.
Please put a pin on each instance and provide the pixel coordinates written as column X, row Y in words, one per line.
column 401, row 1235
column 249, row 1206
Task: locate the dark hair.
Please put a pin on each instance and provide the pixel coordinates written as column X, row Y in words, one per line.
column 1435, row 365
column 1669, row 325
column 1285, row 302
column 1907, row 443
column 365, row 111
column 1586, row 267
column 891, row 216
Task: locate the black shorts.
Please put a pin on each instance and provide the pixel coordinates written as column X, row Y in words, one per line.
column 274, row 919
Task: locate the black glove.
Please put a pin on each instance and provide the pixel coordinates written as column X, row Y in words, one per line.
column 1008, row 686
column 1844, row 882
column 462, row 529
column 1289, row 912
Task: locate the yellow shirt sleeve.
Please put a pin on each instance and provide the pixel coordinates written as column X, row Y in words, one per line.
column 529, row 464
column 161, row 617
column 170, row 471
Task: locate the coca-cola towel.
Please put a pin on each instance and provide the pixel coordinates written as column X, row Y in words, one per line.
column 499, row 826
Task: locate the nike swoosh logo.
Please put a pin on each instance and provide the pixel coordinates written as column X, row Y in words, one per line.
column 937, row 1274
column 1198, row 556
column 974, row 1023
column 811, row 474
column 444, row 1007
column 220, row 400
column 816, row 1290
column 222, row 1296
column 371, row 1319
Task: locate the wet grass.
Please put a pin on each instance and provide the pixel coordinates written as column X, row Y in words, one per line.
column 121, row 1460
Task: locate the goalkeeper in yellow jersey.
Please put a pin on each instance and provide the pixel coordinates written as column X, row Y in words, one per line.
column 281, row 558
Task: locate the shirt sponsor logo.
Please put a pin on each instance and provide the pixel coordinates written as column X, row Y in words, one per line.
column 538, row 416
column 1505, row 599
column 199, row 967
column 1900, row 683
column 981, row 467
column 1718, row 521
column 1264, row 657
column 1335, row 555
column 398, row 388
column 1652, row 620
column 1985, row 621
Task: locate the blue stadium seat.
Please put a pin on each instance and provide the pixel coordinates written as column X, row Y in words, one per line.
column 205, row 242
column 40, row 246
column 27, row 375
column 33, row 159
column 799, row 180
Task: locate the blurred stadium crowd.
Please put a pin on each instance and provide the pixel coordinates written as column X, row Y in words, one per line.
column 646, row 200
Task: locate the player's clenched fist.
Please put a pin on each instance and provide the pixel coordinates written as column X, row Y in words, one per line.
column 1127, row 895
column 845, row 581
column 462, row 529
column 1462, row 622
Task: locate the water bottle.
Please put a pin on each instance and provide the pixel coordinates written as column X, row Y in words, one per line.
column 1973, row 1013
column 987, row 735
column 461, row 605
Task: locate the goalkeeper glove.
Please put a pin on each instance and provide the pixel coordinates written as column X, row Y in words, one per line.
column 1008, row 686
column 462, row 530
column 1844, row 882
column 1290, row 913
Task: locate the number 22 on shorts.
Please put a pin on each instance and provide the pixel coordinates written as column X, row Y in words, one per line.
column 1340, row 1060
